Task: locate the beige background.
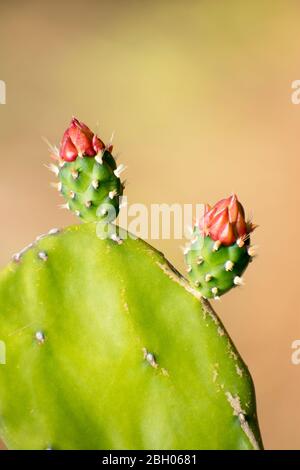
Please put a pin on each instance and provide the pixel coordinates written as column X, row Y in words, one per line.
column 199, row 94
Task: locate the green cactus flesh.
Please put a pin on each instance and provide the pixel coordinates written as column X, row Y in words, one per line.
column 108, row 347
column 91, row 189
column 215, row 271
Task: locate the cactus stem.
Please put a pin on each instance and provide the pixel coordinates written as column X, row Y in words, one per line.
column 229, row 265
column 119, row 170
column 112, row 194
column 40, row 337
column 222, row 238
column 43, row 255
column 216, row 245
column 238, row 281
column 208, row 277
column 95, row 184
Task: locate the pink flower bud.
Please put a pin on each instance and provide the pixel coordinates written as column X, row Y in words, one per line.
column 225, row 221
column 77, row 140
column 98, row 145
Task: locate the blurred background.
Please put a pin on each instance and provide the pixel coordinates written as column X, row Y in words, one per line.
column 199, row 96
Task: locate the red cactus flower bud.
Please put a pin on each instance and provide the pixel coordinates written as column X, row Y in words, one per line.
column 83, row 127
column 68, row 151
column 225, row 221
column 98, row 145
column 81, row 137
column 77, row 140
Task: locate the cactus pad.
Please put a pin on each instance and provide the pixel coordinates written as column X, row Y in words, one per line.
column 91, row 187
column 108, row 347
column 89, row 177
column 215, row 271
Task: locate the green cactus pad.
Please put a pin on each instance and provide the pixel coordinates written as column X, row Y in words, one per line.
column 215, row 271
column 91, row 189
column 108, row 347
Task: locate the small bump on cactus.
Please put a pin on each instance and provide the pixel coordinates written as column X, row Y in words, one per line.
column 220, row 249
column 89, row 177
